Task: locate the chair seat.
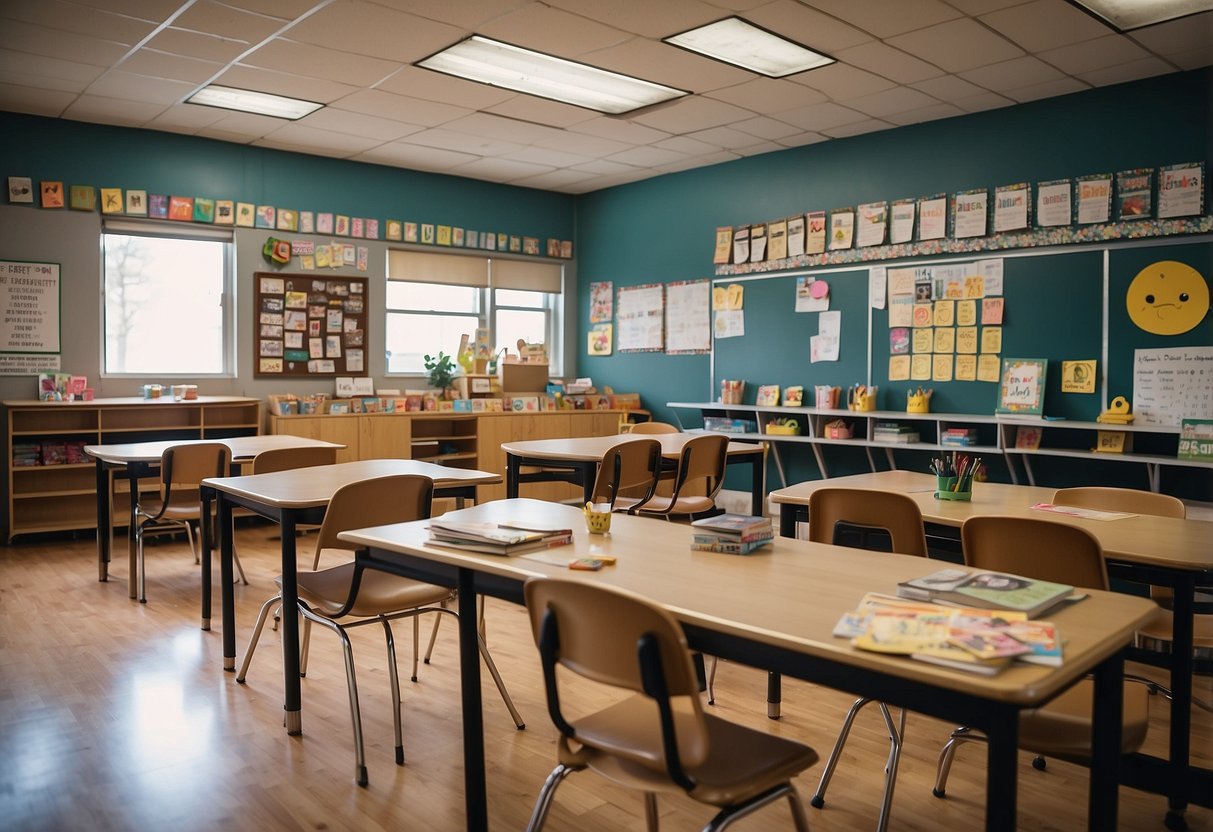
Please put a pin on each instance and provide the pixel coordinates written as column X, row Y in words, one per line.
column 1062, row 728
column 379, row 593
column 742, row 763
column 179, row 512
column 683, row 505
column 1161, row 629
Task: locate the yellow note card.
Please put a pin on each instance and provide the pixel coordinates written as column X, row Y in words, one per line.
column 941, row 367
column 989, row 368
column 966, row 368
column 991, row 339
column 899, row 368
column 966, row 312
column 920, row 367
column 736, row 296
column 923, row 314
column 719, row 298
column 975, row 286
column 924, row 340
column 945, row 339
column 945, row 312
column 966, row 339
column 1078, row 376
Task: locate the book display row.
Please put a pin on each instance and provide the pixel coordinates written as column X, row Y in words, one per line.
column 1142, row 202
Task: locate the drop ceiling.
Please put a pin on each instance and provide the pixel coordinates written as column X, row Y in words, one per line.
column 133, row 63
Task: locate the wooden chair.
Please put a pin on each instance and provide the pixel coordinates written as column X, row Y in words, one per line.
column 866, row 519
column 701, row 464
column 654, row 428
column 1047, row 551
column 658, row 739
column 177, row 502
column 290, row 459
column 331, row 596
column 633, row 467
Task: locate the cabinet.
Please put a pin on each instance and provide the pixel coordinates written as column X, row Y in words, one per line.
column 464, row 440
column 58, row 491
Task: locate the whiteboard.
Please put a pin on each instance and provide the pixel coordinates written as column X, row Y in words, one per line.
column 1172, row 384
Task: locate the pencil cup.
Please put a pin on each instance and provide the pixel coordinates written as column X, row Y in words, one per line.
column 598, row 518
column 945, row 489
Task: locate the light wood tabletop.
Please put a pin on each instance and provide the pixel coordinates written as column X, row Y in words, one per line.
column 591, row 448
column 776, row 608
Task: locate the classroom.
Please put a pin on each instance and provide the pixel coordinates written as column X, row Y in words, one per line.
column 925, row 269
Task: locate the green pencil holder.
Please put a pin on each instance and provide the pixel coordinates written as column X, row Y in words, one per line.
column 944, row 490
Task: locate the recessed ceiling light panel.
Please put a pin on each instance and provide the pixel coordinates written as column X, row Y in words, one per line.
column 523, row 70
column 1126, row 15
column 248, row 101
column 738, row 42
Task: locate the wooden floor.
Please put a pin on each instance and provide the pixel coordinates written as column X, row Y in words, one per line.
column 116, row 715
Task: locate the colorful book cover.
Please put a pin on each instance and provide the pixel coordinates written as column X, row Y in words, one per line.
column 357, row 227
column 136, row 203
column 246, row 214
column 410, row 232
column 324, row 223
column 307, row 222
column 83, row 198
column 265, row 216
column 204, row 210
column 427, row 233
column 394, row 230
column 443, row 237
column 341, row 226
column 1134, row 194
column 288, row 219
column 371, row 229
column 157, row 206
column 181, row 208
column 225, row 212
column 457, row 236
column 52, row 194
column 111, row 200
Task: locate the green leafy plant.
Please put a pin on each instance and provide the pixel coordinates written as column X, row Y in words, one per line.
column 441, row 370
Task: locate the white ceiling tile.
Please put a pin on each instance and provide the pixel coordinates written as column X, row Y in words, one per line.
column 978, row 7
column 198, row 45
column 369, row 29
column 547, row 157
column 1179, row 36
column 765, row 127
column 608, row 182
column 282, row 9
column 891, row 63
column 887, row 19
column 186, row 118
column 247, row 125
column 156, row 10
column 759, row 149
column 51, row 73
column 214, row 18
column 669, row 65
column 82, row 20
column 957, row 45
column 141, row 88
column 947, row 87
column 507, row 129
column 282, row 83
column 655, row 20
column 358, row 124
column 857, row 128
column 930, row 113
column 1045, row 24
column 821, row 117
column 691, row 164
column 984, row 101
column 1093, row 54
column 886, row 102
column 688, row 114
column 39, row 40
column 300, row 136
column 467, row 14
column 620, row 130
column 580, row 144
column 318, row 62
column 400, row 108
column 541, row 111
column 1049, row 89
column 554, row 180
column 111, row 110
column 802, row 140
column 766, row 95
column 647, row 157
column 840, row 81
column 43, row 82
column 553, row 31
column 601, row 167
column 1190, row 58
column 499, row 169
column 445, row 139
column 416, row 156
column 809, row 27
column 728, row 137
column 444, row 89
column 38, row 102
column 1131, row 71
column 1013, row 75
column 151, row 62
column 697, row 146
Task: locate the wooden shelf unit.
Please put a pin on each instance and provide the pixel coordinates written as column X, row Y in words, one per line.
column 50, row 498
column 463, row 440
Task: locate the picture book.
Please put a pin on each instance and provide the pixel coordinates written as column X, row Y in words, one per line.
column 736, row 525
column 1027, row 438
column 496, row 538
column 989, row 590
column 768, row 395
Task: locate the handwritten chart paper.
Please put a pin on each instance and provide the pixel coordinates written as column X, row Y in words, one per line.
column 688, row 323
column 640, row 318
column 1172, row 384
column 29, row 297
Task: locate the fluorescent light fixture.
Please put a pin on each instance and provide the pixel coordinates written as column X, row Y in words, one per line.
column 1126, row 15
column 522, row 70
column 247, row 101
column 738, row 42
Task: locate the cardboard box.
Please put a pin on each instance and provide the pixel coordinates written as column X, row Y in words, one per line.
column 524, row 378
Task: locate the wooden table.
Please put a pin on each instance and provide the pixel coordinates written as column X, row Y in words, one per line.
column 576, row 461
column 1143, row 548
column 134, row 461
column 302, row 496
column 776, row 609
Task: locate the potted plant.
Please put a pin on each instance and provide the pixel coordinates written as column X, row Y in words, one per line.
column 441, row 370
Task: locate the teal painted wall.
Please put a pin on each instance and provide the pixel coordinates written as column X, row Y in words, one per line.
column 662, row 230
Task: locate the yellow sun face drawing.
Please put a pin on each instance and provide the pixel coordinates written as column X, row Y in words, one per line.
column 1167, row 298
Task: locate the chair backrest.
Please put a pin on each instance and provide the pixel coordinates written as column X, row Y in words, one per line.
column 1040, row 549
column 654, row 427
column 374, row 502
column 896, row 514
column 628, row 465
column 184, row 467
column 1122, row 499
column 287, row 459
column 619, row 639
column 703, row 459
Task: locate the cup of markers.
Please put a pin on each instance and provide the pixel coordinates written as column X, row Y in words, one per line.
column 954, row 476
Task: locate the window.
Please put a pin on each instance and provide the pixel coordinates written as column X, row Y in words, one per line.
column 433, row 300
column 166, row 302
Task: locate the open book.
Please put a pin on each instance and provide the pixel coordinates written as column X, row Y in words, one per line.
column 496, row 538
column 989, row 590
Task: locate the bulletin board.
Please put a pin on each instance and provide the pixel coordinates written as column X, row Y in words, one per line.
column 309, row 326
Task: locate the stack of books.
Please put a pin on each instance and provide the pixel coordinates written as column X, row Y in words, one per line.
column 894, row 432
column 26, row 454
column 959, row 437
column 496, row 538
column 973, row 640
column 987, row 590
column 731, row 534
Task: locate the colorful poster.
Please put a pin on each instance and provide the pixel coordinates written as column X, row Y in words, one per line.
column 1053, row 203
column 1094, row 198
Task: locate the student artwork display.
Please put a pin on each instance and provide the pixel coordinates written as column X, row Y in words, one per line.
column 1022, row 386
column 310, row 326
column 688, row 317
column 640, row 318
